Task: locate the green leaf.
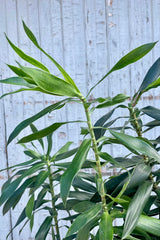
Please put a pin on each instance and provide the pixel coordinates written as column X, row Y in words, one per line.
column 21, row 90
column 84, row 233
column 81, row 184
column 119, row 98
column 15, row 197
column 41, row 177
column 44, row 229
column 8, row 191
column 29, row 207
column 83, row 206
column 65, row 155
column 81, row 195
column 31, row 222
column 34, row 129
column 51, row 83
column 136, row 144
column 154, row 84
column 35, row 42
column 152, row 74
column 84, row 218
column 42, row 133
column 100, row 122
column 136, row 207
column 152, row 112
column 17, row 81
column 105, row 227
column 129, row 58
column 149, row 224
column 68, row 176
column 30, row 120
column 27, row 58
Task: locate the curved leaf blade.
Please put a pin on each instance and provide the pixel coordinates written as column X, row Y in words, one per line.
column 29, row 207
column 152, row 112
column 44, row 229
column 84, row 219
column 30, row 120
column 51, row 83
column 17, row 81
column 72, row 170
column 105, row 227
column 149, row 224
column 27, row 58
column 152, row 74
column 137, row 144
column 35, row 42
column 136, row 207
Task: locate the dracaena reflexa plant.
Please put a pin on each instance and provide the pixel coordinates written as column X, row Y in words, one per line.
column 132, row 195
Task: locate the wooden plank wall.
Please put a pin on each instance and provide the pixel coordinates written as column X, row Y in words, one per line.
column 86, row 37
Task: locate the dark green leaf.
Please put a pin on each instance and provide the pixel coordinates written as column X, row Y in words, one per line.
column 154, row 84
column 29, row 207
column 15, row 197
column 152, row 112
column 34, row 129
column 44, row 229
column 65, row 155
column 136, row 207
column 152, row 74
column 8, row 191
column 83, row 206
column 99, row 131
column 81, row 184
column 30, row 120
column 105, row 227
column 119, row 98
column 26, row 57
column 68, row 176
column 42, row 133
column 84, row 218
column 81, row 195
column 137, row 144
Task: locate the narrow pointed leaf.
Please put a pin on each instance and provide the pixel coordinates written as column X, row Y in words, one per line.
column 35, row 42
column 30, row 120
column 136, row 207
column 70, row 173
column 137, row 144
column 152, row 112
column 152, row 74
column 154, row 84
column 27, row 58
column 119, row 98
column 149, row 224
column 29, row 207
column 51, row 83
column 129, row 58
column 17, row 81
column 105, row 227
column 44, row 229
column 34, row 129
column 21, row 90
column 84, row 218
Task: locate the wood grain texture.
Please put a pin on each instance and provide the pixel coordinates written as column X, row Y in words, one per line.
column 86, row 37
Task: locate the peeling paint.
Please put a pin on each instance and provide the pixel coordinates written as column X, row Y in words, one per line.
column 110, row 3
column 111, row 24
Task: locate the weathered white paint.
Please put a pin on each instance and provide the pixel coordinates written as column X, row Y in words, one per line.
column 87, row 37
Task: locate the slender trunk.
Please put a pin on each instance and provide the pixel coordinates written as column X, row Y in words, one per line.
column 95, row 149
column 53, row 204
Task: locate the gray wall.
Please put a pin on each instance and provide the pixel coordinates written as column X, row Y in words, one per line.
column 86, row 37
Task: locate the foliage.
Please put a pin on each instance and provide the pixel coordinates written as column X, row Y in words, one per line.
column 92, row 202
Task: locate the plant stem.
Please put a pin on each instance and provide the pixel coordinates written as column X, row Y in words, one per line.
column 95, row 149
column 136, row 126
column 53, row 204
